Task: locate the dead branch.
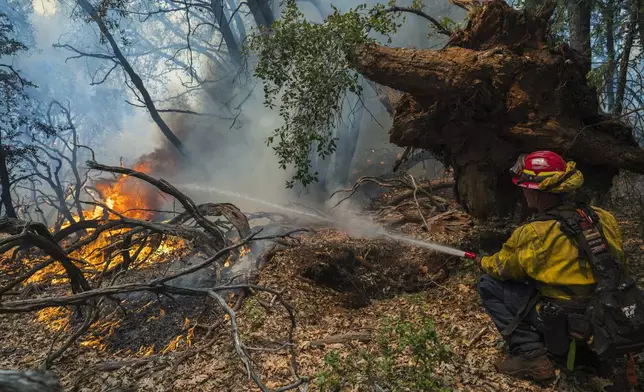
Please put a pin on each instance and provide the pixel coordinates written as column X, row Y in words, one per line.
column 185, row 201
column 134, row 77
column 478, row 336
column 403, row 158
column 420, row 211
column 157, row 286
column 90, row 318
column 437, row 25
column 229, row 211
column 430, row 188
column 239, row 346
column 37, row 234
column 393, row 183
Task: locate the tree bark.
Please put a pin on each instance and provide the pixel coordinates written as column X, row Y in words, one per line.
column 29, row 381
column 5, row 183
column 500, row 89
column 134, row 77
column 579, row 27
column 640, row 19
column 532, row 5
column 238, row 20
column 608, row 15
column 625, row 57
column 223, row 23
column 262, row 12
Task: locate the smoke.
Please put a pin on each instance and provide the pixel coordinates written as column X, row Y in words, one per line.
column 236, row 155
column 230, row 142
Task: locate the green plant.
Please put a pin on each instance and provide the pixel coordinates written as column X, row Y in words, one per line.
column 307, row 73
column 256, row 314
column 406, row 351
column 328, row 379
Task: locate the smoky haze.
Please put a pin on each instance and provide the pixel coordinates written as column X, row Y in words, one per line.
column 230, row 144
column 238, row 159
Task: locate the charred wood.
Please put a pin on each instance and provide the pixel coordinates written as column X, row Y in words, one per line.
column 28, row 381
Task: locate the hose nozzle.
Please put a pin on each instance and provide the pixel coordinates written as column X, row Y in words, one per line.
column 470, row 255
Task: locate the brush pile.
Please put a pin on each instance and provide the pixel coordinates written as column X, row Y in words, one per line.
column 121, row 284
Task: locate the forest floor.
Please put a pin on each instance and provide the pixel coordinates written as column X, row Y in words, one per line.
column 363, row 308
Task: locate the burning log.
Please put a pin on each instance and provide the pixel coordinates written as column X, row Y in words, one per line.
column 29, row 381
column 500, row 88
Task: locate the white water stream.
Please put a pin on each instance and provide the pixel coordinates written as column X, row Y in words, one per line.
column 365, row 227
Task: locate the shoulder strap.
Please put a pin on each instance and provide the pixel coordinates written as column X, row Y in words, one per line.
column 566, row 214
column 607, row 270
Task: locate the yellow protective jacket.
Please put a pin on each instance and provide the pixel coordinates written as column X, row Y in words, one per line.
column 541, row 251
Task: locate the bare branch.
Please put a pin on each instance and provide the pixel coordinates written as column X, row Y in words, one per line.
column 439, row 27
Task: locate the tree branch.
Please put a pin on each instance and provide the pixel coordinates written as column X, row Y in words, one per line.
column 439, row 27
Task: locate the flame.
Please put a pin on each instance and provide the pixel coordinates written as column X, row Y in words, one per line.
column 134, row 199
column 243, row 251
column 54, row 318
column 173, row 345
column 145, row 351
column 131, row 197
column 190, row 335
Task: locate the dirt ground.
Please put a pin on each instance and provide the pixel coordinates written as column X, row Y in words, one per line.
column 337, row 285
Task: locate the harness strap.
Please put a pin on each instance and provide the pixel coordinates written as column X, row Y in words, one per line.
column 523, row 311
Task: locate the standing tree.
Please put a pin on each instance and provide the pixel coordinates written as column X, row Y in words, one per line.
column 15, row 117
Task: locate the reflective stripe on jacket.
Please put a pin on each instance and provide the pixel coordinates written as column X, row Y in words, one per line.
column 540, row 251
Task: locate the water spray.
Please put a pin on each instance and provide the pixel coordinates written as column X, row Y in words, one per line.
column 376, row 231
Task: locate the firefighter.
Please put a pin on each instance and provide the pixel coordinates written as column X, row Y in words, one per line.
column 540, row 264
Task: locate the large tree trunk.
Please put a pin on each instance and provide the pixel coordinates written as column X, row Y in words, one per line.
column 625, row 57
column 223, row 24
column 262, row 12
column 498, row 90
column 532, row 5
column 579, row 28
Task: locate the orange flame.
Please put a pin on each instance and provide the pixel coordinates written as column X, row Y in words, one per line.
column 132, row 198
column 243, row 251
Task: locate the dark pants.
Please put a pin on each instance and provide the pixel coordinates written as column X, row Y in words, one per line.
column 502, row 301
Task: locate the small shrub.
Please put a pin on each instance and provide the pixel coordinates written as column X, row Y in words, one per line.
column 406, row 351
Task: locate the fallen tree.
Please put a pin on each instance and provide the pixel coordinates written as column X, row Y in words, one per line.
column 501, row 87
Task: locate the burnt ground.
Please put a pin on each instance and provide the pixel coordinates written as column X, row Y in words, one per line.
column 338, row 285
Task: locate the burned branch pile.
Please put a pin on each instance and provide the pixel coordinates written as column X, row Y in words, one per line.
column 126, row 273
column 500, row 88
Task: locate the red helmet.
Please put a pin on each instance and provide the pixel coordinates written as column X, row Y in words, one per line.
column 533, row 168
